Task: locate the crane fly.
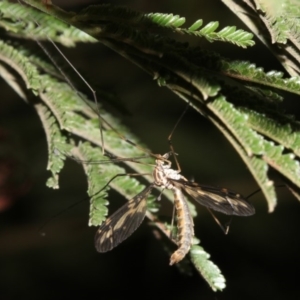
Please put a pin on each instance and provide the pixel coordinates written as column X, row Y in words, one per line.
column 121, row 224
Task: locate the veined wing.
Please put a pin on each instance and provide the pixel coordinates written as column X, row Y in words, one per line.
column 121, row 224
column 218, row 199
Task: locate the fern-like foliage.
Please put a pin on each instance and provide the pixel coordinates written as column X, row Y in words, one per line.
column 240, row 99
column 14, row 20
column 228, row 34
column 276, row 24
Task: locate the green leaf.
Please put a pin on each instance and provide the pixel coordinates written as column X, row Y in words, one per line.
column 209, row 28
column 196, row 25
column 237, row 124
column 57, row 144
column 168, row 20
column 208, row 270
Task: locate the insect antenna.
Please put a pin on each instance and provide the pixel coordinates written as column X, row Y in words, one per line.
column 171, row 134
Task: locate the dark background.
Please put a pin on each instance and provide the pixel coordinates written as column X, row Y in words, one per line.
column 259, row 257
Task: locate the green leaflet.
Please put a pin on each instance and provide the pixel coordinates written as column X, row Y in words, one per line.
column 283, row 134
column 57, row 144
column 272, row 79
column 209, row 271
column 236, row 124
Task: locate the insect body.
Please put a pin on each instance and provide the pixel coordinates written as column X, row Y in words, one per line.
column 185, row 226
column 128, row 218
column 163, row 176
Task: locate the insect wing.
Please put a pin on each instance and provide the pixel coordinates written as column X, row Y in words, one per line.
column 121, row 224
column 218, row 199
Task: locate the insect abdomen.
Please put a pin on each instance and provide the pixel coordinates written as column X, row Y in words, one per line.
column 185, row 227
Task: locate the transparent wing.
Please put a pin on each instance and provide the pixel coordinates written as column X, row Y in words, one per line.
column 121, row 224
column 218, row 199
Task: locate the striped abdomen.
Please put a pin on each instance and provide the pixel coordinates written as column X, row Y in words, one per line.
column 185, row 226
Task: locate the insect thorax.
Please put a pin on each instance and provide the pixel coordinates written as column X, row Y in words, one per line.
column 163, row 172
